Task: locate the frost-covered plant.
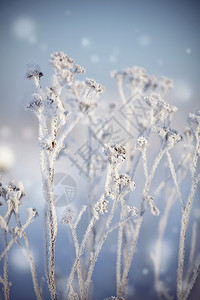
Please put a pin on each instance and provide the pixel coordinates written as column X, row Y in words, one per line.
column 54, row 126
column 127, row 196
column 157, row 120
column 12, row 196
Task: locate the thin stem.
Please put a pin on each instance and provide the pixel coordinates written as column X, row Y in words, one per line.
column 5, row 270
column 196, row 270
column 131, row 252
column 184, row 226
column 5, row 267
column 81, row 250
column 76, row 245
column 95, row 256
column 174, row 177
column 30, row 258
column 192, row 252
column 139, row 222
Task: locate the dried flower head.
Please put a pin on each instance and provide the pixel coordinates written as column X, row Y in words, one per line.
column 78, row 69
column 33, row 71
column 102, row 205
column 137, row 76
column 142, row 143
column 35, row 104
column 124, row 181
column 169, row 136
column 87, row 107
column 93, row 88
column 165, row 84
column 194, row 121
column 115, row 153
column 60, row 61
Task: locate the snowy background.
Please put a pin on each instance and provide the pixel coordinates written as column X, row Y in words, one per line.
column 161, row 36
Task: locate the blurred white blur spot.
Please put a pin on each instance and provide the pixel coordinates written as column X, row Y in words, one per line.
column 7, row 158
column 116, row 51
column 167, row 250
column 145, row 271
column 28, row 133
column 43, row 47
column 182, row 90
column 113, row 59
column 18, row 259
column 94, row 58
column 68, row 13
column 5, row 131
column 32, row 39
column 188, row 51
column 144, row 40
column 85, row 42
column 24, row 27
column 160, row 62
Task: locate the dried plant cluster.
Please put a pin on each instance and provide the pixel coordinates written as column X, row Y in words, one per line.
column 117, row 208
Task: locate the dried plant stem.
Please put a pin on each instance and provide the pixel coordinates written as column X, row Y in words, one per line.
column 130, row 256
column 83, row 209
column 114, row 207
column 184, row 226
column 6, row 285
column 118, row 265
column 119, row 249
column 7, row 248
column 191, row 257
column 81, row 250
column 46, row 249
column 48, row 173
column 156, row 257
column 179, row 169
column 76, row 245
column 127, row 264
column 196, row 270
column 174, row 177
column 144, row 157
column 195, row 157
column 151, row 175
column 30, row 259
column 121, row 90
column 95, row 256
